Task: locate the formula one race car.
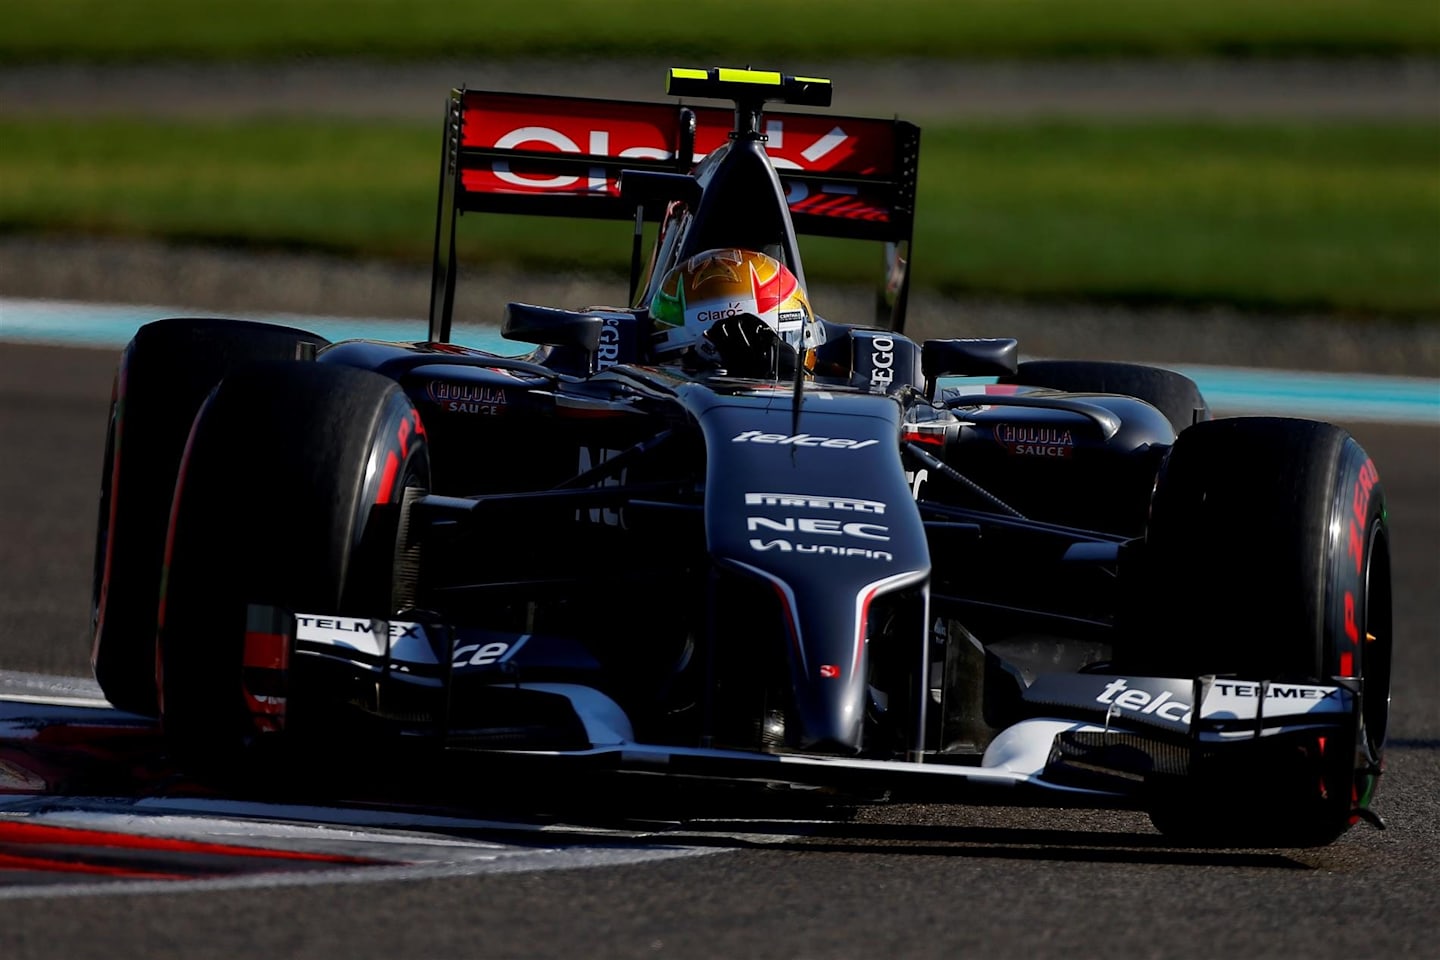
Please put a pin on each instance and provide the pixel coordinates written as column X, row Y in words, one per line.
column 712, row 534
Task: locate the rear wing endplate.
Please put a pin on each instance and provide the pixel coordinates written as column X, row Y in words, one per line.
column 850, row 177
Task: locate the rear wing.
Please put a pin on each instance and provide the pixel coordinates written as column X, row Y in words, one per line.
column 851, row 177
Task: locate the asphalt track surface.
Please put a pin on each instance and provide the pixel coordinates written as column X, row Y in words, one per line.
column 942, row 881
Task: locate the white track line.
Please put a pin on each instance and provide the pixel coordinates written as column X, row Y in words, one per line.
column 571, row 859
column 421, row 841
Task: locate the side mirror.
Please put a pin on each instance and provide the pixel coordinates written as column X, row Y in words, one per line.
column 991, row 357
column 552, row 326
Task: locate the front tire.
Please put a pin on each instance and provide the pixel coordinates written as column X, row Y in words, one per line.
column 287, row 497
column 1268, row 557
column 165, row 373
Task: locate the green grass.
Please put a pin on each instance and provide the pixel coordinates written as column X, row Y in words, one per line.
column 1341, row 217
column 764, row 32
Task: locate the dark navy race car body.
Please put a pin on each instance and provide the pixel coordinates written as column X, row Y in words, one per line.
column 712, row 535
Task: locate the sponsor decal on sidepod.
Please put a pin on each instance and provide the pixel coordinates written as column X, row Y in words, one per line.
column 1027, row 441
column 467, row 398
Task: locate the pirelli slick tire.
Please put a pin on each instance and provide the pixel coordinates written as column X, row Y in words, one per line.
column 288, row 496
column 1268, row 557
column 165, row 373
column 1173, row 394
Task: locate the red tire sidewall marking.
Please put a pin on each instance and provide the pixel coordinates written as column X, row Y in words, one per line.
column 399, row 435
column 1359, row 504
column 1356, row 516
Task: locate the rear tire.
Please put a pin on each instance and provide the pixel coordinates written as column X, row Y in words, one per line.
column 165, row 373
column 1173, row 394
column 287, row 496
column 1267, row 557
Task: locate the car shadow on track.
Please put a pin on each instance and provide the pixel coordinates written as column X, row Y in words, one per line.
column 68, row 754
column 1002, row 843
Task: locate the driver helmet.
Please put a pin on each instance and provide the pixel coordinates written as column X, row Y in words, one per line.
column 724, row 283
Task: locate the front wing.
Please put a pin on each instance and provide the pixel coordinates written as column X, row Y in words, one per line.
column 1099, row 739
